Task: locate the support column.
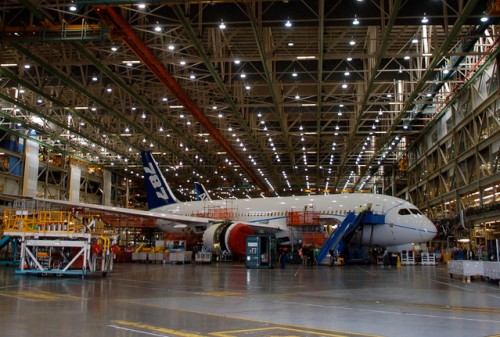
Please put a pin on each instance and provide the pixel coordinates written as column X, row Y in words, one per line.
column 31, row 163
column 106, row 197
column 75, row 175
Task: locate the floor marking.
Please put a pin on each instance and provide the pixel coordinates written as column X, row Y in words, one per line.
column 135, row 330
column 278, row 331
column 157, row 329
column 221, row 293
column 281, row 330
column 39, row 295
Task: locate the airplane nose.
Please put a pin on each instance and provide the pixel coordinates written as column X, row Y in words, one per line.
column 429, row 230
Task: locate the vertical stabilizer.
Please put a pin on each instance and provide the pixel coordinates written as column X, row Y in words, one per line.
column 158, row 191
column 201, row 192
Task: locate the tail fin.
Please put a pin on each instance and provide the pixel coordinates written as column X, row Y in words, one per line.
column 201, row 192
column 158, row 191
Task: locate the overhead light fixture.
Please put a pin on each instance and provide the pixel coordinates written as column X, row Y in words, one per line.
column 192, row 76
column 356, row 21
column 484, row 19
column 424, row 19
column 297, row 96
column 347, row 73
column 344, row 85
column 141, row 6
column 72, row 7
column 349, row 59
column 171, row 46
column 157, row 28
column 414, row 39
column 407, row 57
column 237, row 61
column 114, row 48
column 288, row 24
column 294, row 74
column 182, row 63
column 290, row 43
column 352, row 42
column 222, row 25
column 309, row 57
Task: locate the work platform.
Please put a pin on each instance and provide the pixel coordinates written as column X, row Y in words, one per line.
column 59, row 243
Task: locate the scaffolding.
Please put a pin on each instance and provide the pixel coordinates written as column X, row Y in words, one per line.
column 306, row 228
column 57, row 242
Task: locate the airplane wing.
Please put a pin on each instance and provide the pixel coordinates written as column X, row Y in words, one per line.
column 180, row 219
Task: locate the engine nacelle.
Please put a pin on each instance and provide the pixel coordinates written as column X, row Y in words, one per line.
column 227, row 236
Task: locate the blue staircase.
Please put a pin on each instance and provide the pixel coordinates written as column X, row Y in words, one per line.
column 350, row 223
column 4, row 241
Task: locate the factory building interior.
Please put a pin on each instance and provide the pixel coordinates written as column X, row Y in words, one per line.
column 266, row 154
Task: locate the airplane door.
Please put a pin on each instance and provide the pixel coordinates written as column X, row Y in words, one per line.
column 377, row 208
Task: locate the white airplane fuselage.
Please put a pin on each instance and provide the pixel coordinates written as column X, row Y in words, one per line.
column 403, row 223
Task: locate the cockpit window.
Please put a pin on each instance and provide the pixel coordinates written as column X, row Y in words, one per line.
column 415, row 211
column 404, row 211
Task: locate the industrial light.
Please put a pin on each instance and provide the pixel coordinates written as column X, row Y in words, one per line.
column 157, row 28
column 141, row 6
column 352, row 42
column 72, row 7
column 243, row 75
column 288, row 24
column 290, row 43
column 344, row 85
column 192, row 76
column 484, row 19
column 297, row 96
column 94, row 78
column 248, row 87
column 294, row 74
column 182, row 63
column 171, row 46
column 356, row 21
column 349, row 59
column 237, row 61
column 424, row 20
column 114, row 48
column 347, row 73
column 222, row 25
column 407, row 57
column 414, row 39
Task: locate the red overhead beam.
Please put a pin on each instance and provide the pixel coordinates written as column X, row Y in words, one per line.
column 143, row 53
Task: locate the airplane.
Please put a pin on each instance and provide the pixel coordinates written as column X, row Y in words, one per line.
column 226, row 223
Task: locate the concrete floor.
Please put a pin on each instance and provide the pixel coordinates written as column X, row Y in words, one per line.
column 226, row 300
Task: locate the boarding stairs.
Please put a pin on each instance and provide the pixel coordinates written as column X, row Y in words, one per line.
column 351, row 222
column 4, row 241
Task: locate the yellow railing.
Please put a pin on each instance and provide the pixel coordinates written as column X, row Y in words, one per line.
column 40, row 221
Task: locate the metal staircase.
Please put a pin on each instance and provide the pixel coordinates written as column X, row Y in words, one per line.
column 350, row 223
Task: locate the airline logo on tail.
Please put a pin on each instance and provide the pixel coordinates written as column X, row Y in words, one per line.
column 201, row 192
column 158, row 191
